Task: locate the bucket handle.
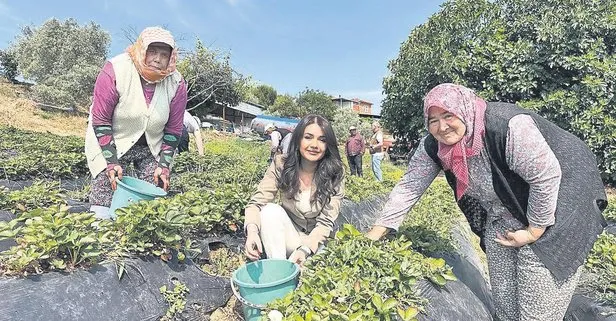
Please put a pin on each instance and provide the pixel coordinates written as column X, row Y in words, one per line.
column 252, row 305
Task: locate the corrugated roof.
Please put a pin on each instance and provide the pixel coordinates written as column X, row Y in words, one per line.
column 248, row 108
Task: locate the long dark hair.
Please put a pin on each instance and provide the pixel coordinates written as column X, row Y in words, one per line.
column 329, row 171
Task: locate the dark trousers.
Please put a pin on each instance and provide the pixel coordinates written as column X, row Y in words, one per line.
column 355, row 165
column 184, row 141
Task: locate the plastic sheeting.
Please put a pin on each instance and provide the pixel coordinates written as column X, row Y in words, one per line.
column 362, row 215
column 65, row 184
column 583, row 308
column 98, row 295
column 453, row 302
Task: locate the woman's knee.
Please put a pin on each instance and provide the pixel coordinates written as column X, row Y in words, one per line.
column 272, row 213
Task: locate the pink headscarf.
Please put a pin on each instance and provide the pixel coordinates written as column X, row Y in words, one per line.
column 138, row 49
column 470, row 108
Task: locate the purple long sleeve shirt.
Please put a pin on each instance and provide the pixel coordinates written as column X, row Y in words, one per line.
column 528, row 155
column 106, row 97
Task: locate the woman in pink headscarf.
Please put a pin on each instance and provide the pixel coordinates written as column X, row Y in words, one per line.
column 531, row 191
column 136, row 116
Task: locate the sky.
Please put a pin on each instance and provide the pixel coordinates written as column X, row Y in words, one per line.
column 341, row 47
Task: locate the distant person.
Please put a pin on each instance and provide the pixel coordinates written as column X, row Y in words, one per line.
column 309, row 182
column 355, row 148
column 279, row 140
column 191, row 126
column 136, row 116
column 376, row 150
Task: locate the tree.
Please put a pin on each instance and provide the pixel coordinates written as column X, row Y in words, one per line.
column 317, row 102
column 286, row 106
column 63, row 58
column 210, row 78
column 345, row 118
column 8, row 65
column 555, row 57
column 265, row 95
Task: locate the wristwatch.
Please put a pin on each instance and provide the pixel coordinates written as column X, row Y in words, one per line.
column 305, row 249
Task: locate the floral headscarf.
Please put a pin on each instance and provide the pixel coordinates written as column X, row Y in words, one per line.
column 470, row 108
column 137, row 52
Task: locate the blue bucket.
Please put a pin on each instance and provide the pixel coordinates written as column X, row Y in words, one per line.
column 132, row 190
column 262, row 282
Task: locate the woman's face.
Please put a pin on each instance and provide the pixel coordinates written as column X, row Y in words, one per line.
column 312, row 146
column 157, row 56
column 446, row 127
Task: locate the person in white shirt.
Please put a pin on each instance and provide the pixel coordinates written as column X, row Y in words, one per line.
column 191, row 125
column 376, row 150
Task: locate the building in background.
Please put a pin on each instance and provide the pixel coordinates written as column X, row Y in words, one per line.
column 241, row 115
column 361, row 107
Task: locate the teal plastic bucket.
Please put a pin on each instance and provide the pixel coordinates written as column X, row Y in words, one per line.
column 131, row 190
column 261, row 282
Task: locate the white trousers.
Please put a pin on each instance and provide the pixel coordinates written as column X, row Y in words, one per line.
column 279, row 235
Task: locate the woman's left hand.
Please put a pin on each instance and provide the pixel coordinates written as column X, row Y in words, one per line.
column 163, row 175
column 518, row 238
column 298, row 257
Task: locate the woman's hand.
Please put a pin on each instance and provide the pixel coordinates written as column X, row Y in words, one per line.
column 164, row 176
column 298, row 257
column 518, row 238
column 112, row 173
column 376, row 233
column 253, row 247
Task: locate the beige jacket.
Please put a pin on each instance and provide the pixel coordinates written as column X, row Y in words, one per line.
column 318, row 223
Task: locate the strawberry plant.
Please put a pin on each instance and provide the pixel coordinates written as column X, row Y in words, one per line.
column 176, row 299
column 40, row 194
column 53, row 239
column 25, row 155
column 610, row 211
column 355, row 278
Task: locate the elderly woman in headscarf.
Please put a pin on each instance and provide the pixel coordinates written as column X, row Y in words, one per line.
column 136, row 116
column 531, row 191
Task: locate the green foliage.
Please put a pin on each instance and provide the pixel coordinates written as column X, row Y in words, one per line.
column 425, row 60
column 40, row 194
column 63, row 58
column 8, row 65
column 602, row 263
column 226, row 161
column 355, row 278
column 428, row 225
column 52, row 239
column 317, row 102
column 555, row 57
column 210, row 78
column 25, row 155
column 176, row 299
column 286, row 106
column 357, row 189
column 343, row 119
column 265, row 95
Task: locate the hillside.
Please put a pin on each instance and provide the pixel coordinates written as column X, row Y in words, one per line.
column 18, row 111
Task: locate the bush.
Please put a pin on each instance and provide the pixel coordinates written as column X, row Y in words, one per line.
column 8, row 65
column 555, row 57
column 63, row 58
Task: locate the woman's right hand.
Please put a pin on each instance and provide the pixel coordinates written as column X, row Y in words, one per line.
column 112, row 172
column 253, row 247
column 376, row 232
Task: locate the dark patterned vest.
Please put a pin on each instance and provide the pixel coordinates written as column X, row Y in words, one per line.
column 581, row 197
